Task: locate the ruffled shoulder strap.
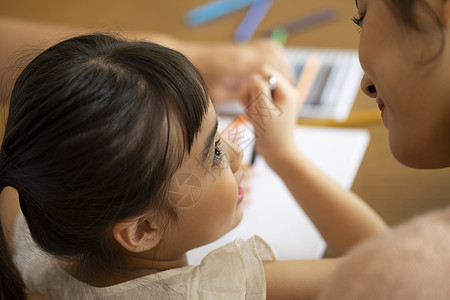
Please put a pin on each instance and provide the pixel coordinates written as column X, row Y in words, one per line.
column 233, row 271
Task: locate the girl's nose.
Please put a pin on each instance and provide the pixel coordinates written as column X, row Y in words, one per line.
column 368, row 87
column 235, row 154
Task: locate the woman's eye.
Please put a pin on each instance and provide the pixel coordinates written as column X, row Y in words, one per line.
column 358, row 20
column 218, row 153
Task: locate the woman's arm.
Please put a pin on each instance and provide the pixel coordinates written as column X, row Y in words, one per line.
column 225, row 66
column 20, row 41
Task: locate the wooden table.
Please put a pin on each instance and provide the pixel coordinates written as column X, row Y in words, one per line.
column 395, row 191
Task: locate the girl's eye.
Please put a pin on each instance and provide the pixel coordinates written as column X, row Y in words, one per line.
column 218, row 153
column 358, row 20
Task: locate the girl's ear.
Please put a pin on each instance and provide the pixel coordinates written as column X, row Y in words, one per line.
column 137, row 235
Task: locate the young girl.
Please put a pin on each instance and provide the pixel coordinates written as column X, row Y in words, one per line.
column 405, row 53
column 102, row 139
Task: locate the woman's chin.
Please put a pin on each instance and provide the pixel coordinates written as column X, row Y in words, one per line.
column 415, row 158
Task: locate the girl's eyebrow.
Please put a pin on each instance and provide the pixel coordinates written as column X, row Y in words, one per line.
column 209, row 142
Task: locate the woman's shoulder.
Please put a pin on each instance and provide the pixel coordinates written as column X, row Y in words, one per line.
column 411, row 261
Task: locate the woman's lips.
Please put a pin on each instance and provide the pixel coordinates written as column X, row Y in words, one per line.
column 380, row 105
column 382, row 108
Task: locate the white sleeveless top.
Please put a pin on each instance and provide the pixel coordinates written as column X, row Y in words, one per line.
column 233, row 271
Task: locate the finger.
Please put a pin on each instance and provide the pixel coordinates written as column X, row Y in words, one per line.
column 259, row 92
column 285, row 90
column 268, row 70
column 256, row 86
column 275, row 54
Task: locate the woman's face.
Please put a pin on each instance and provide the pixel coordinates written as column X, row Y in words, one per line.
column 205, row 190
column 410, row 80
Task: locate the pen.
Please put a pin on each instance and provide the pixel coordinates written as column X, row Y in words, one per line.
column 305, row 22
column 272, row 85
column 279, row 34
column 252, row 19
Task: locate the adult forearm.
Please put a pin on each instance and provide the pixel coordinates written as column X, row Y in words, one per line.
column 21, row 40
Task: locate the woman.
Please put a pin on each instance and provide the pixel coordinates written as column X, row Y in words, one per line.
column 404, row 51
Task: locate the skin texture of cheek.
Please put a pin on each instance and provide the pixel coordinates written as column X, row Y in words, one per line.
column 225, row 192
column 416, row 120
column 214, row 214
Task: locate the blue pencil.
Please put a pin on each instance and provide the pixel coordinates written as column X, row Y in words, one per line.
column 215, row 9
column 252, row 19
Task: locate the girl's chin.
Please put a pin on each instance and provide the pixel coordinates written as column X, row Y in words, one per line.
column 238, row 216
column 240, row 195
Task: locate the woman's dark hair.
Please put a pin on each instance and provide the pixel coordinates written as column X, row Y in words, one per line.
column 97, row 127
column 406, row 11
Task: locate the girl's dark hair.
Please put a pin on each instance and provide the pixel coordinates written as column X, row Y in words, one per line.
column 97, row 127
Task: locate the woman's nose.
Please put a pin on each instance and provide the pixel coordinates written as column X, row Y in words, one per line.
column 368, row 87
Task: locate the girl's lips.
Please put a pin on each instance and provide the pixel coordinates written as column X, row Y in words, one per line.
column 240, row 195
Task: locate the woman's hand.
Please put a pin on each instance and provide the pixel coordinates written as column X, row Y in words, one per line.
column 273, row 114
column 227, row 67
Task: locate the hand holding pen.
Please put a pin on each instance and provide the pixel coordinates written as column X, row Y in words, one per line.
column 273, row 114
column 272, row 80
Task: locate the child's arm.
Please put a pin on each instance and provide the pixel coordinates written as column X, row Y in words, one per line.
column 342, row 218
